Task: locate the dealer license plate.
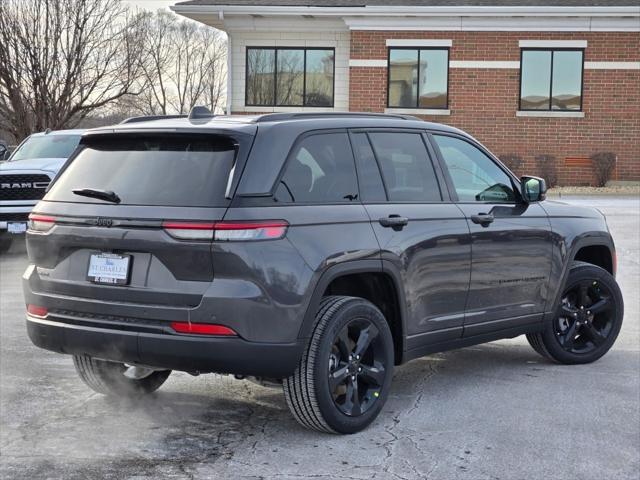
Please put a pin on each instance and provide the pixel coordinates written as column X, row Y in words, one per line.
column 109, row 268
column 16, row 227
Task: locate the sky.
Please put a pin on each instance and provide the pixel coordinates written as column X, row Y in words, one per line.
column 151, row 4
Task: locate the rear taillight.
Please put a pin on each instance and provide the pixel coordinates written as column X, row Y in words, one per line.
column 227, row 231
column 270, row 230
column 203, row 329
column 36, row 311
column 41, row 223
column 189, row 230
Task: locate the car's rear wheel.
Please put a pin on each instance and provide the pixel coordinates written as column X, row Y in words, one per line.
column 118, row 379
column 344, row 376
column 587, row 320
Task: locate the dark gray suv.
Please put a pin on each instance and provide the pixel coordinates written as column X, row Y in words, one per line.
column 315, row 251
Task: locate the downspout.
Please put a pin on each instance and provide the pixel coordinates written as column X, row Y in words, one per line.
column 229, row 68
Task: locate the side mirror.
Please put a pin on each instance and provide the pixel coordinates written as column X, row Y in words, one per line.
column 534, row 189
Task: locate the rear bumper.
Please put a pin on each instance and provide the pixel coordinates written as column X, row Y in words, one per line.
column 167, row 351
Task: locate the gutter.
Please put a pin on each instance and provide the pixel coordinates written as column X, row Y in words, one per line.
column 399, row 11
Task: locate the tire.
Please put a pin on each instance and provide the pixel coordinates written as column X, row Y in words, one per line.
column 108, row 378
column 5, row 242
column 576, row 334
column 360, row 386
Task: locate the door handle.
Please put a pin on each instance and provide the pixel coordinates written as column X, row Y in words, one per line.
column 394, row 221
column 484, row 219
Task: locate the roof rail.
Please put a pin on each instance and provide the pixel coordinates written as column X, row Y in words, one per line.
column 150, row 118
column 274, row 117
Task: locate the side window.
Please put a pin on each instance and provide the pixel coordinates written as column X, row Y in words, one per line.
column 370, row 181
column 320, row 170
column 406, row 167
column 475, row 176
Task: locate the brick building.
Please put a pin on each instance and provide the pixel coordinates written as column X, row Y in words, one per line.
column 544, row 84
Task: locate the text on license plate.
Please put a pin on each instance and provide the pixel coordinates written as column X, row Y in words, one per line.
column 109, row 268
column 17, row 227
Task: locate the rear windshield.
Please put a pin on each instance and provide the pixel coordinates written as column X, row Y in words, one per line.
column 47, row 146
column 159, row 171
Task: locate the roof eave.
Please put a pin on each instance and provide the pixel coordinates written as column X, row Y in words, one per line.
column 538, row 11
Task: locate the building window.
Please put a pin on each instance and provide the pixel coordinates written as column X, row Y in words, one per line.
column 418, row 78
column 290, row 77
column 551, row 80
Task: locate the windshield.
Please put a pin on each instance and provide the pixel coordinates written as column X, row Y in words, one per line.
column 186, row 171
column 47, row 146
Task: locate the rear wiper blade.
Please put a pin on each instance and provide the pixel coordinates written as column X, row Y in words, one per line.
column 106, row 195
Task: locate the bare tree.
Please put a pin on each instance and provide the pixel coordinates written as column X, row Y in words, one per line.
column 62, row 59
column 160, row 56
column 185, row 65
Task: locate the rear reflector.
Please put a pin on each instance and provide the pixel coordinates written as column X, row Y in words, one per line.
column 40, row 223
column 202, row 329
column 36, row 311
column 227, row 231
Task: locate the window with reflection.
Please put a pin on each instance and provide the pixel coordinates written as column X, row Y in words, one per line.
column 290, row 77
column 475, row 176
column 551, row 80
column 418, row 78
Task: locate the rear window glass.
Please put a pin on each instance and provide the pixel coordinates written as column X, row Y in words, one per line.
column 47, row 146
column 160, row 171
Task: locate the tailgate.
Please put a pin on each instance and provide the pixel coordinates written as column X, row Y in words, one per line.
column 150, row 180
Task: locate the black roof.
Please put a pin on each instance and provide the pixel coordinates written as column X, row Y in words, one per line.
column 419, row 3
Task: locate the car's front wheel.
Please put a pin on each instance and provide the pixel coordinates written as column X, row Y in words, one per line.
column 344, row 376
column 587, row 319
column 118, row 379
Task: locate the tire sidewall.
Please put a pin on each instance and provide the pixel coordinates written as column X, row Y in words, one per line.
column 356, row 308
column 578, row 273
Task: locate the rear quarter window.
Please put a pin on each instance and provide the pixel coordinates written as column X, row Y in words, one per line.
column 320, row 170
column 187, row 171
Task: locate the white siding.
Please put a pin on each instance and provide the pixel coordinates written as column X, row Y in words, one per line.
column 340, row 40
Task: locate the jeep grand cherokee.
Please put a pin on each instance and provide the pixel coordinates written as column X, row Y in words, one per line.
column 316, row 251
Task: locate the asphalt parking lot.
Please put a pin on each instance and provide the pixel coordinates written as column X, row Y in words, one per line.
column 495, row 411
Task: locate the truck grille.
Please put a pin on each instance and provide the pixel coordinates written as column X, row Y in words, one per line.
column 14, row 217
column 23, row 187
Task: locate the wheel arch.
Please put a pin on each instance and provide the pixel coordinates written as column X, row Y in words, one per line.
column 597, row 254
column 596, row 249
column 376, row 281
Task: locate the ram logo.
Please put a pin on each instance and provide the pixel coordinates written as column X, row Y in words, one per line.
column 23, row 185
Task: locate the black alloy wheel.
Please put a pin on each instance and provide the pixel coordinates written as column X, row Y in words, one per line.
column 343, row 378
column 585, row 318
column 356, row 367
